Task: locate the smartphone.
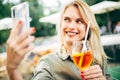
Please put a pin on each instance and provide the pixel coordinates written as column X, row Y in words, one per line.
column 21, row 12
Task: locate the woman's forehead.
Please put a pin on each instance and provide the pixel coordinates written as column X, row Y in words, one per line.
column 72, row 11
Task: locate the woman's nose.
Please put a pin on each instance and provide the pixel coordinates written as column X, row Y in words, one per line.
column 72, row 24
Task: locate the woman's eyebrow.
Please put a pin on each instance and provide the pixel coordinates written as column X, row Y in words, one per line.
column 66, row 17
column 79, row 19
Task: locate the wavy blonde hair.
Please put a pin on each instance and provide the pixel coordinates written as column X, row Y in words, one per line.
column 94, row 37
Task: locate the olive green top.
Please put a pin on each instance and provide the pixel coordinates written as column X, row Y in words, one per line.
column 59, row 66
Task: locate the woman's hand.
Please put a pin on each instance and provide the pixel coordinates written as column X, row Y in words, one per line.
column 18, row 44
column 93, row 73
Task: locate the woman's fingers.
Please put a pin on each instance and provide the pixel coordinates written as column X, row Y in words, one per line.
column 23, row 39
column 14, row 33
column 32, row 30
column 93, row 72
column 26, row 35
column 18, row 45
column 29, row 48
column 16, row 29
column 92, row 76
column 16, row 56
column 26, row 43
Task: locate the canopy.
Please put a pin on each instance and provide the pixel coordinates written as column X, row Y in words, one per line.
column 5, row 23
column 113, row 39
column 99, row 8
column 105, row 6
column 54, row 18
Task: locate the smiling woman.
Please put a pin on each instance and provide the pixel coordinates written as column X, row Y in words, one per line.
column 59, row 65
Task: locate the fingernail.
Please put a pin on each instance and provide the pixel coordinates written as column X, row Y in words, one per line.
column 82, row 76
column 34, row 29
column 20, row 22
column 82, row 72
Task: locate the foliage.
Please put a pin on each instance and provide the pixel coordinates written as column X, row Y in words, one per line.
column 36, row 12
column 113, row 15
column 45, row 29
column 112, row 51
column 5, row 10
column 92, row 2
column 4, row 35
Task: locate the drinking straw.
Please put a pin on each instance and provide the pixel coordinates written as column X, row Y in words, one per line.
column 86, row 35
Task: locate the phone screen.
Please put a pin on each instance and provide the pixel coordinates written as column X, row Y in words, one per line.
column 21, row 12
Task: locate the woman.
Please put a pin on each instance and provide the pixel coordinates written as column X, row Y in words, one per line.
column 59, row 65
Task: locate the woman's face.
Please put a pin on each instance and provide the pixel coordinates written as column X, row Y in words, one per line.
column 73, row 27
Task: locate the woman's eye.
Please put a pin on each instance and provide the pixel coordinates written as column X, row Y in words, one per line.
column 79, row 21
column 66, row 19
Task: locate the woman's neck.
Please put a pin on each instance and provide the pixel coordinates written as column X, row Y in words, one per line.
column 68, row 48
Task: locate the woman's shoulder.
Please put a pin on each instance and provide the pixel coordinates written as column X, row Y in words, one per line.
column 50, row 56
column 49, row 60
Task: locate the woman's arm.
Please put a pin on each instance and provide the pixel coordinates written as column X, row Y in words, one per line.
column 17, row 46
column 14, row 75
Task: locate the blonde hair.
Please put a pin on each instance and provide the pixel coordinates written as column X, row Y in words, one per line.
column 94, row 36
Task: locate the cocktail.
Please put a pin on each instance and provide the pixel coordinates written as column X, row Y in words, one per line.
column 81, row 59
column 81, row 53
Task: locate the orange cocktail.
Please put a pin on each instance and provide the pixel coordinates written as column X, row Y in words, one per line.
column 82, row 60
column 81, row 54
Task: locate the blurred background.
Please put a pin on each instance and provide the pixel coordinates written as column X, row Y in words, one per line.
column 44, row 16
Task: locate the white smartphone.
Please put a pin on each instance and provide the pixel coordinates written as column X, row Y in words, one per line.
column 21, row 12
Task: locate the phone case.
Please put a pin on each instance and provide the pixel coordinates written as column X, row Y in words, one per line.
column 21, row 12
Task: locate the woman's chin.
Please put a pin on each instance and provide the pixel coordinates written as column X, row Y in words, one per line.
column 70, row 40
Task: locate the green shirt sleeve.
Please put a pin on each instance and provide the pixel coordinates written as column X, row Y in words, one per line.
column 105, row 71
column 42, row 71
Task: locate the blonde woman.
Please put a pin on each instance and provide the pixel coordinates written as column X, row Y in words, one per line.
column 59, row 65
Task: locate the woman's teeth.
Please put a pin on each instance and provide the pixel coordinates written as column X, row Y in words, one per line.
column 72, row 33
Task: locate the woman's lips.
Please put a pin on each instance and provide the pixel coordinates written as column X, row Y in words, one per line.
column 71, row 33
